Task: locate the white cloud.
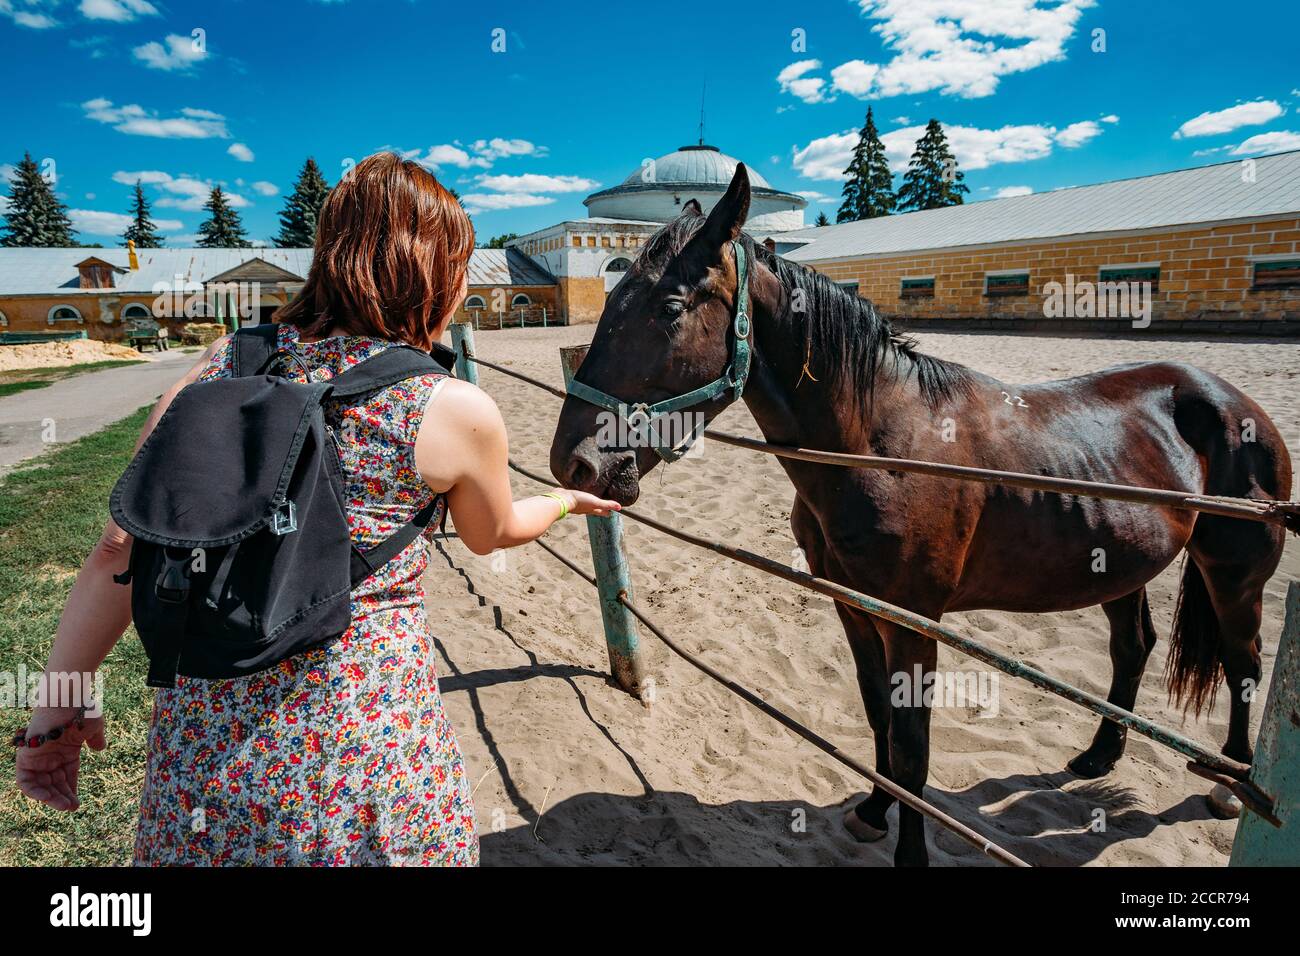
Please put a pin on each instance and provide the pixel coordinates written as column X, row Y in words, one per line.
column 489, row 202
column 480, row 154
column 119, row 11
column 1076, row 134
column 135, row 120
column 30, row 13
column 498, row 148
column 176, row 52
column 98, row 223
column 974, row 148
column 1275, row 142
column 535, row 183
column 813, row 195
column 1006, row 192
column 240, row 152
column 958, row 47
column 808, row 89
column 1110, row 118
column 263, row 188
column 187, row 193
column 1234, row 117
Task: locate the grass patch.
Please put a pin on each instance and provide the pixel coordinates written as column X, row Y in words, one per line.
column 21, row 379
column 13, row 388
column 52, row 511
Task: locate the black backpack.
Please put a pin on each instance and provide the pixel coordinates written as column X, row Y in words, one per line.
column 242, row 555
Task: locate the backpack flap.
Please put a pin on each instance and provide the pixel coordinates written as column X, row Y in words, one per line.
column 218, row 465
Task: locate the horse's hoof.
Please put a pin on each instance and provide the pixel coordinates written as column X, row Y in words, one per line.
column 1223, row 802
column 1089, row 767
column 862, row 831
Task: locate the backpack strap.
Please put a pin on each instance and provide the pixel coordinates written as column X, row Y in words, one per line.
column 366, row 563
column 389, row 367
column 252, row 348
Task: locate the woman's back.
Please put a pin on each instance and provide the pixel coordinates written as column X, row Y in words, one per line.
column 342, row 754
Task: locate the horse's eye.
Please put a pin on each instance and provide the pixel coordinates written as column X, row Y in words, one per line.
column 672, row 308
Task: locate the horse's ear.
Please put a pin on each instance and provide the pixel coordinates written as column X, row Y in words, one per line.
column 728, row 216
column 692, row 208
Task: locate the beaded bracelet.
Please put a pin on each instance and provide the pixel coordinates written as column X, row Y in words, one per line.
column 564, row 505
column 54, row 733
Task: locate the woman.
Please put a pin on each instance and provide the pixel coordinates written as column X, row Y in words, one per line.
column 342, row 755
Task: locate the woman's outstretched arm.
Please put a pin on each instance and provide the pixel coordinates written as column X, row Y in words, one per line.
column 462, row 450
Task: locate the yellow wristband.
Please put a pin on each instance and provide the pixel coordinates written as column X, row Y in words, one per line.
column 564, row 505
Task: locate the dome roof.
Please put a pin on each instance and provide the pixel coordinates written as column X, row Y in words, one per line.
column 696, row 165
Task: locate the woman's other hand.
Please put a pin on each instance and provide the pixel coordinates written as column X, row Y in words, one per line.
column 48, row 773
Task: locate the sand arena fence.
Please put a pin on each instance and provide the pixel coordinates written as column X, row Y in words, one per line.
column 1269, row 834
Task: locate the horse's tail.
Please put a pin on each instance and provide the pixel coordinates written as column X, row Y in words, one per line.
column 1192, row 670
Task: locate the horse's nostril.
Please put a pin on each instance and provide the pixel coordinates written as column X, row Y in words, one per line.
column 581, row 475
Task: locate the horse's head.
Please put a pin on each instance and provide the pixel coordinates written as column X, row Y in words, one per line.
column 668, row 329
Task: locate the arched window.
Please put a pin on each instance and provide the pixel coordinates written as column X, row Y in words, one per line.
column 475, row 302
column 520, row 301
column 136, row 311
column 619, row 265
column 63, row 313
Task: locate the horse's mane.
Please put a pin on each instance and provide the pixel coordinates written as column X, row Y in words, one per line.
column 847, row 341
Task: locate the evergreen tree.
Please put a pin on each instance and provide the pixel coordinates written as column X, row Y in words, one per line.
column 821, row 219
column 499, row 242
column 301, row 209
column 34, row 216
column 932, row 180
column 223, row 229
column 869, row 189
column 142, row 230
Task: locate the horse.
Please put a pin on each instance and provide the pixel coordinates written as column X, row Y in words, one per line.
column 826, row 370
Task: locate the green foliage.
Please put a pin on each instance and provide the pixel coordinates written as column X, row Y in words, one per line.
column 302, row 208
column 223, row 228
column 499, row 242
column 142, row 230
column 869, row 190
column 932, row 180
column 34, row 215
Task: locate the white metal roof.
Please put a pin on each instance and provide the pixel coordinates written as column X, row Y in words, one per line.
column 54, row 271
column 1223, row 191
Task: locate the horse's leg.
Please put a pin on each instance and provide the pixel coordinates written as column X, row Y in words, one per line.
column 909, row 736
column 1132, row 636
column 866, row 821
column 1238, row 604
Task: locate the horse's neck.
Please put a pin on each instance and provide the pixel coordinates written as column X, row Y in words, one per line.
column 789, row 404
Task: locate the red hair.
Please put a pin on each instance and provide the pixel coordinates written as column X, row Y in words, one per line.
column 392, row 250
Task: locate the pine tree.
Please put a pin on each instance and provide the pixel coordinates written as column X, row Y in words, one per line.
column 821, row 219
column 34, row 216
column 142, row 230
column 932, row 180
column 869, row 189
column 499, row 242
column 223, row 229
column 301, row 209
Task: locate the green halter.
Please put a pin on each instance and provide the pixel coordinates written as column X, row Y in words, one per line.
column 733, row 378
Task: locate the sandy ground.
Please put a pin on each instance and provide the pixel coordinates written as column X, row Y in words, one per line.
column 568, row 769
column 60, row 354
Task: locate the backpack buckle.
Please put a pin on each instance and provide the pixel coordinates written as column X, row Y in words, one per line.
column 285, row 519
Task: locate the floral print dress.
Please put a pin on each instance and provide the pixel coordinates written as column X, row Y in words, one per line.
column 342, row 755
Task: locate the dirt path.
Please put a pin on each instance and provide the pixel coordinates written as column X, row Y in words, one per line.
column 67, row 410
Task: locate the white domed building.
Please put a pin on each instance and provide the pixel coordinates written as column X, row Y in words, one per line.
column 587, row 257
column 657, row 191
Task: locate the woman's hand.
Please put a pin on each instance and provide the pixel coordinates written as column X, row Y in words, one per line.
column 48, row 773
column 581, row 503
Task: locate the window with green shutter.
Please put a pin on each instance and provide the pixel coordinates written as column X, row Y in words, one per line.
column 1131, row 274
column 1279, row 274
column 917, row 288
column 1007, row 283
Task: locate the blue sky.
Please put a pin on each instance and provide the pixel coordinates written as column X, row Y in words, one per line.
column 103, row 91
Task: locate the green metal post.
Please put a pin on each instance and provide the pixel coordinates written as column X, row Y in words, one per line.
column 1276, row 768
column 609, row 559
column 462, row 342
